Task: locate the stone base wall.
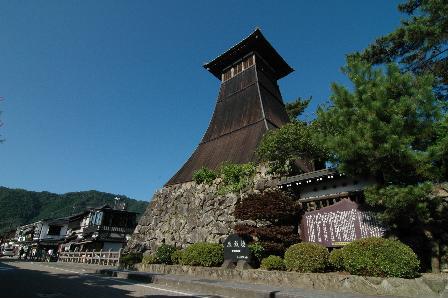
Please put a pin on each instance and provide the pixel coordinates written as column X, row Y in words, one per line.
column 428, row 285
column 188, row 213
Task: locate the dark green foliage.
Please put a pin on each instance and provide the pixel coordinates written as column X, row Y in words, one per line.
column 438, row 150
column 235, row 177
column 296, row 108
column 257, row 250
column 176, row 257
column 404, row 205
column 130, row 259
column 273, row 263
column 295, row 140
column 419, row 44
column 306, row 257
column 151, row 259
column 383, row 127
column 380, row 257
column 279, row 210
column 164, row 252
column 204, row 175
column 391, row 126
column 203, row 254
column 336, row 259
column 21, row 207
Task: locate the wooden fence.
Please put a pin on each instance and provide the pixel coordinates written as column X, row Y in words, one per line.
column 108, row 258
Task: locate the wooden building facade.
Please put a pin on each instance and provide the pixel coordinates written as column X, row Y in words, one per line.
column 248, row 105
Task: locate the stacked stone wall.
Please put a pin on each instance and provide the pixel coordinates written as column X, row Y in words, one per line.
column 188, row 213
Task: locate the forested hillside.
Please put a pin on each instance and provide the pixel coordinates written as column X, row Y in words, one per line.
column 19, row 206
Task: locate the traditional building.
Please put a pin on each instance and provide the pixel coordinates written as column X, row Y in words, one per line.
column 332, row 205
column 249, row 104
column 102, row 228
column 46, row 233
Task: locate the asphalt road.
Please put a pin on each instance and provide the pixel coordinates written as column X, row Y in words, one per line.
column 29, row 279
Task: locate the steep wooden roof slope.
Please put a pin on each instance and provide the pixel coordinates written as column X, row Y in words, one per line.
column 248, row 105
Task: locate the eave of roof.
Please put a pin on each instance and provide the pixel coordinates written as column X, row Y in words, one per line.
column 257, row 43
column 314, row 176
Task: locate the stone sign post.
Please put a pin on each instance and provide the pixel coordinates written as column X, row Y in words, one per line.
column 236, row 250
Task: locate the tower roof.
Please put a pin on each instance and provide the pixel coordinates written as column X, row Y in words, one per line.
column 257, row 43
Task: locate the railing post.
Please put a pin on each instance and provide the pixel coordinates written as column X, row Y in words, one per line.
column 108, row 258
column 119, row 257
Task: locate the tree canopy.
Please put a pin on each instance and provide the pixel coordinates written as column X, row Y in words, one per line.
column 385, row 126
column 391, row 126
column 419, row 44
column 297, row 107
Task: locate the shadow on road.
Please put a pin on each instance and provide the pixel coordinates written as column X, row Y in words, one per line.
column 36, row 281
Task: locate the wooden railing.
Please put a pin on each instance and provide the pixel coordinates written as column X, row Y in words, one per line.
column 108, row 258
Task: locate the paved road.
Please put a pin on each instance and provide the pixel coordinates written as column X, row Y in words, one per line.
column 42, row 280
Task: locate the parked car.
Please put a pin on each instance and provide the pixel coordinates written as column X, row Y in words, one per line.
column 8, row 252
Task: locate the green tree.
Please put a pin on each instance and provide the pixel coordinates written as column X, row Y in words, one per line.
column 390, row 126
column 384, row 126
column 419, row 44
column 296, row 108
column 280, row 148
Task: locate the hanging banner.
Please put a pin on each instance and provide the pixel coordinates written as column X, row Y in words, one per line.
column 339, row 224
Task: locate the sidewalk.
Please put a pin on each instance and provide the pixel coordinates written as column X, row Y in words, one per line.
column 223, row 288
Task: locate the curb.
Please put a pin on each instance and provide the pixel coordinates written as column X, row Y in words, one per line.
column 219, row 288
column 222, row 288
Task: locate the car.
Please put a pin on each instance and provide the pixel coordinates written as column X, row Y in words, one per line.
column 8, row 252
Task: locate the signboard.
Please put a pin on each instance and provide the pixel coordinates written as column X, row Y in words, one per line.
column 236, row 248
column 339, row 224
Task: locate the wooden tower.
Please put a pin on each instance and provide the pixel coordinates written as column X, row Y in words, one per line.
column 249, row 104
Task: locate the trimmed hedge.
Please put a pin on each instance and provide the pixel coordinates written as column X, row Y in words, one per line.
column 203, row 254
column 306, row 257
column 336, row 259
column 273, row 263
column 176, row 257
column 164, row 252
column 380, row 257
column 130, row 259
column 150, row 259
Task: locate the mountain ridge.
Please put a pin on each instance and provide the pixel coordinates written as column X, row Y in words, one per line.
column 20, row 206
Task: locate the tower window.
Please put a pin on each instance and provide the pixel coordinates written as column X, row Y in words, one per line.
column 237, row 68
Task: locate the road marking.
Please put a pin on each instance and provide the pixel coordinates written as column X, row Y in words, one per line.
column 122, row 281
column 5, row 268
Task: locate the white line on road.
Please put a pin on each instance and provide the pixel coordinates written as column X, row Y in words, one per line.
column 6, row 268
column 122, row 281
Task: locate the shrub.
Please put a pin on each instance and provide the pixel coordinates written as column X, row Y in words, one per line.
column 130, row 259
column 380, row 257
column 150, row 259
column 235, row 177
column 273, row 263
column 203, row 254
column 176, row 257
column 279, row 210
column 204, row 175
column 272, row 205
column 164, row 252
column 336, row 259
column 306, row 257
column 257, row 251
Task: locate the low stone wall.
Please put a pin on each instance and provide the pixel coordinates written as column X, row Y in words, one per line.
column 428, row 286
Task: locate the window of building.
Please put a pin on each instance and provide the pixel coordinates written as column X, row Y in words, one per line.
column 54, row 230
column 237, row 68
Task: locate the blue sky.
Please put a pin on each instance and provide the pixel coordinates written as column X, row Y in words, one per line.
column 112, row 95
